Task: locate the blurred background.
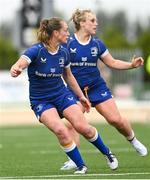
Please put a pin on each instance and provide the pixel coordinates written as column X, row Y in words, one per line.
column 124, row 26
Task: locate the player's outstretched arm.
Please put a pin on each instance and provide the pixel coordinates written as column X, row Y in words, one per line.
column 17, row 68
column 137, row 61
column 121, row 64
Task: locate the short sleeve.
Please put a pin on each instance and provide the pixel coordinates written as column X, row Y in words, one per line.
column 31, row 54
column 103, row 51
column 67, row 57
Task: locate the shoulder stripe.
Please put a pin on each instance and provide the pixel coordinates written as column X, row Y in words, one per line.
column 64, row 50
column 39, row 52
column 70, row 41
column 66, row 54
column 96, row 41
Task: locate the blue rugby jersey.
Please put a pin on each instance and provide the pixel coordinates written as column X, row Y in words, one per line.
column 84, row 59
column 45, row 71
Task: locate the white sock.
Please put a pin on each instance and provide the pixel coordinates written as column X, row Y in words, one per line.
column 133, row 141
column 68, row 158
column 131, row 137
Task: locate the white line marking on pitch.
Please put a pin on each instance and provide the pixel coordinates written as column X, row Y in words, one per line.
column 73, row 175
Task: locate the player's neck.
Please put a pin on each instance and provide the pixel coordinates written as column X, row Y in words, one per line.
column 52, row 47
column 82, row 37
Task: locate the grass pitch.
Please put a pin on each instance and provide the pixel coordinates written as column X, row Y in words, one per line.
column 32, row 152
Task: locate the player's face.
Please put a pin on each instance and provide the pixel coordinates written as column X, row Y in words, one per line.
column 90, row 24
column 63, row 33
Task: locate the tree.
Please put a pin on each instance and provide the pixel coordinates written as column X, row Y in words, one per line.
column 113, row 29
column 8, row 54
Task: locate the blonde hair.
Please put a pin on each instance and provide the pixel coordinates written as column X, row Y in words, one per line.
column 79, row 16
column 47, row 26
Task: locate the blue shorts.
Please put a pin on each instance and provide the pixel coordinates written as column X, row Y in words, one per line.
column 61, row 102
column 97, row 93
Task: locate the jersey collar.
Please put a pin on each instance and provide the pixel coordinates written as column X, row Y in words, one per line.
column 82, row 42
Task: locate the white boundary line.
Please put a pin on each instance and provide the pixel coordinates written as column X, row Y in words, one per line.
column 74, row 175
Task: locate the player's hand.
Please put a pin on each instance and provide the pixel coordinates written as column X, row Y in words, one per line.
column 86, row 104
column 15, row 71
column 137, row 61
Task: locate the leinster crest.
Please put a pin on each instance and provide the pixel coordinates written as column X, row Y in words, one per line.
column 94, row 51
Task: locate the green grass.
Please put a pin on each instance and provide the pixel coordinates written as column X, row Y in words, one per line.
column 32, row 152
